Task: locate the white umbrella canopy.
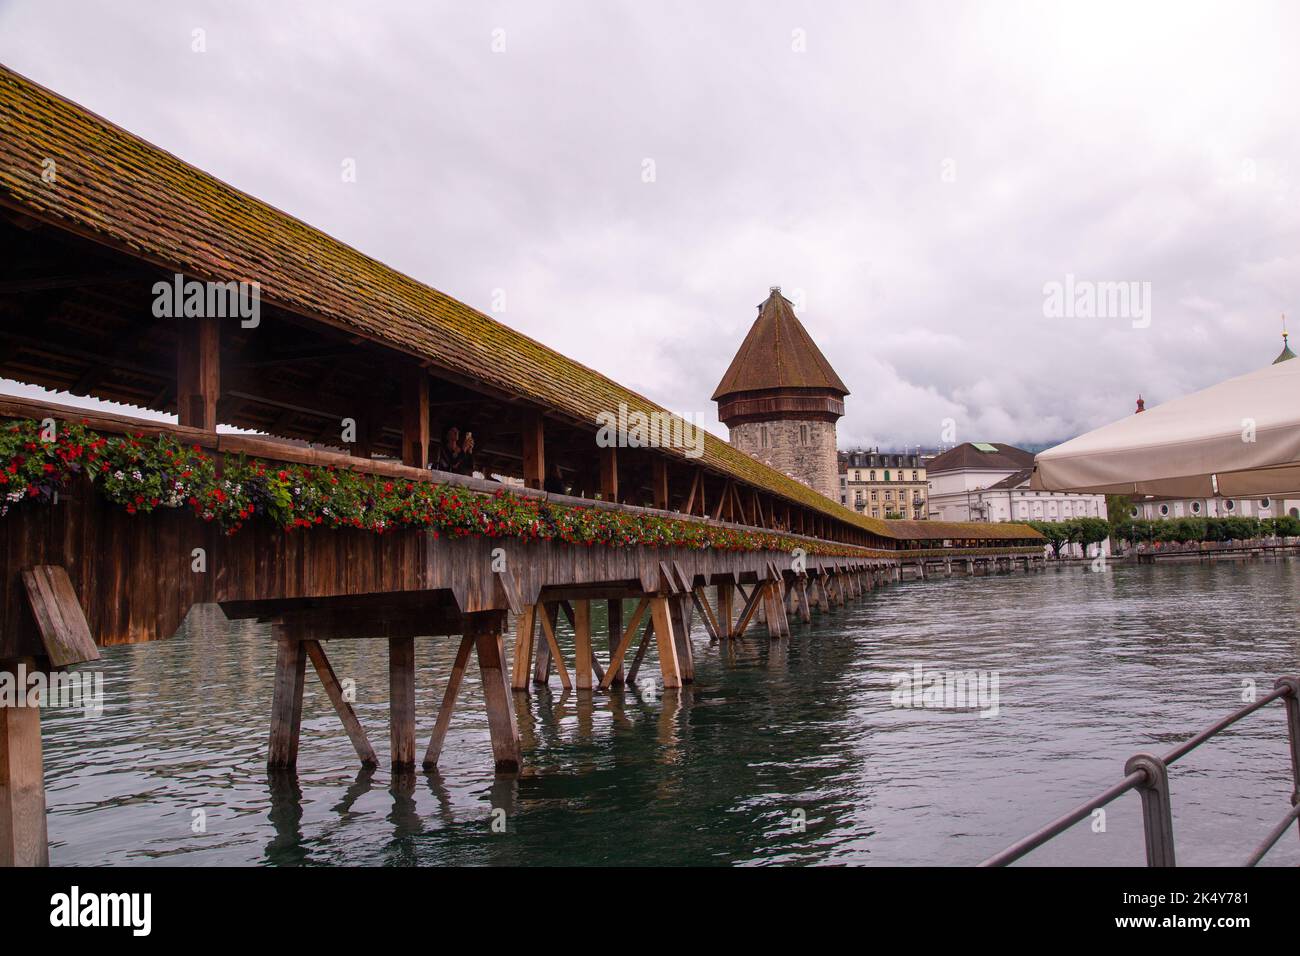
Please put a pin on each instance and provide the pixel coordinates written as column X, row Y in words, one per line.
column 1238, row 438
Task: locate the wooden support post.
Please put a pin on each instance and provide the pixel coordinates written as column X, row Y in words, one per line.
column 334, row 690
column 726, row 612
column 198, row 371
column 525, row 634
column 666, row 642
column 401, row 702
column 449, row 702
column 614, row 621
column 415, row 421
column 701, row 600
column 286, row 704
column 542, row 670
column 24, row 839
column 680, row 607
column 773, row 609
column 609, row 473
column 582, row 644
column 659, row 481
column 485, row 627
column 751, row 605
column 618, row 653
column 553, row 645
column 805, row 612
column 640, row 651
column 534, row 435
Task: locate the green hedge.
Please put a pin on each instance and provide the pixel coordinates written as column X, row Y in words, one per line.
column 1185, row 530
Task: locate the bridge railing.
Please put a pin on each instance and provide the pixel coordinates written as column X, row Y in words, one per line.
column 1149, row 775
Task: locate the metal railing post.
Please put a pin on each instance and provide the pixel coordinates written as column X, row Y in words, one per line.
column 1292, row 702
column 1157, row 816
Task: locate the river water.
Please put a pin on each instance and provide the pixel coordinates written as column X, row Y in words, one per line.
column 790, row 752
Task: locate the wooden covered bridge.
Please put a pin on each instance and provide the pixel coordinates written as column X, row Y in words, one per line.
column 314, row 507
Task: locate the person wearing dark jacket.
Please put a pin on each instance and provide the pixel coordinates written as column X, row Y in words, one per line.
column 456, row 456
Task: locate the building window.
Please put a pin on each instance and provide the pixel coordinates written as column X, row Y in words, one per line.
column 886, row 476
column 1133, row 512
column 803, row 434
column 873, row 474
column 1196, row 507
column 1164, row 511
column 1265, row 502
column 764, row 440
column 875, row 495
column 914, row 478
column 1229, row 505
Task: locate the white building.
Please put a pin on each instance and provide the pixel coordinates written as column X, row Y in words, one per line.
column 1154, row 509
column 983, row 481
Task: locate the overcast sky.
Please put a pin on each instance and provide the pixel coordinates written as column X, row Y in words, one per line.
column 912, row 175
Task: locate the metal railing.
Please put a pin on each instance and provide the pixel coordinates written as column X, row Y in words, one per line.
column 1149, row 775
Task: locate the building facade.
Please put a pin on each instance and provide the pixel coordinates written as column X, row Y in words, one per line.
column 984, row 481
column 780, row 399
column 884, row 485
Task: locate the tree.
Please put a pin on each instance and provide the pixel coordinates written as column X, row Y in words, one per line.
column 1057, row 533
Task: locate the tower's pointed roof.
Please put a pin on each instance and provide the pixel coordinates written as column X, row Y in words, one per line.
column 778, row 352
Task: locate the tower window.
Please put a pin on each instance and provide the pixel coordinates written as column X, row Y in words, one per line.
column 764, row 439
column 803, row 434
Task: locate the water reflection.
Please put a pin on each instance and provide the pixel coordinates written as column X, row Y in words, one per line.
column 781, row 752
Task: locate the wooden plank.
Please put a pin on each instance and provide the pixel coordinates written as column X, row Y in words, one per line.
column 401, row 702
column 805, row 612
column 665, row 642
column 582, row 653
column 59, row 617
column 334, row 690
column 548, row 628
column 667, row 580
column 629, row 633
column 485, row 629
column 449, row 701
column 510, row 589
column 24, row 839
column 286, row 704
column 198, row 371
column 693, row 494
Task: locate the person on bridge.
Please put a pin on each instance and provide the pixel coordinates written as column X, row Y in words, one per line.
column 456, row 456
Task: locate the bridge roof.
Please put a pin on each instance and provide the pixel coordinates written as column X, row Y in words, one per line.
column 128, row 194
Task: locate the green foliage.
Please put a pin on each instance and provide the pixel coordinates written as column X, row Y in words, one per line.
column 1190, row 530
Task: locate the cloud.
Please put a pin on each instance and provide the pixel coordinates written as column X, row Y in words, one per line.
column 917, row 174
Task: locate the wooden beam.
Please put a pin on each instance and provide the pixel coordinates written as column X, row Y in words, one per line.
column 58, row 615
column 617, row 654
column 666, row 642
column 614, row 627
column 640, row 651
column 548, row 627
column 334, row 690
column 401, row 702
column 659, row 481
column 198, row 371
column 485, row 628
column 706, row 613
column 751, row 605
column 609, row 473
column 286, row 704
column 681, row 615
column 449, row 702
column 415, row 418
column 693, row 494
column 525, row 631
column 542, row 670
column 726, row 611
column 582, row 644
column 24, row 838
column 533, row 433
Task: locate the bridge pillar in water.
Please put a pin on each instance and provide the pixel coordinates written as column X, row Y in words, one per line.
column 24, row 839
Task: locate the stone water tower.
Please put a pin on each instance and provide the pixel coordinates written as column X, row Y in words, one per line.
column 780, row 399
